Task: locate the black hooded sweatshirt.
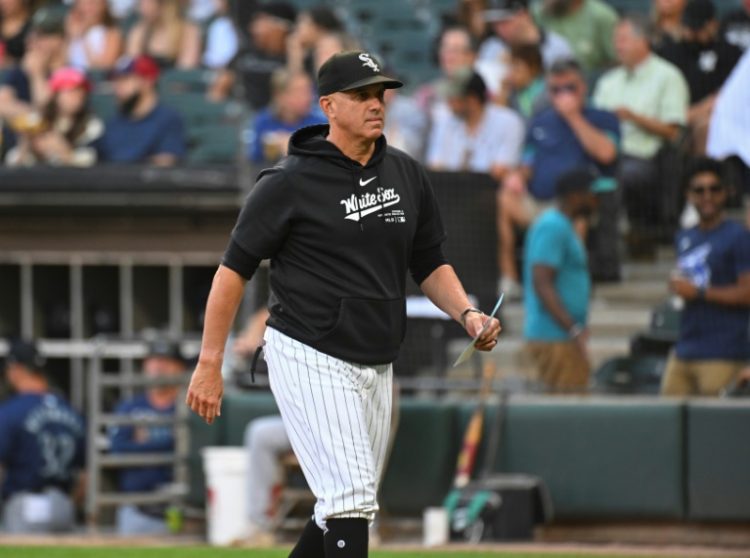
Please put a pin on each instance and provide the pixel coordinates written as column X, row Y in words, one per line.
column 340, row 237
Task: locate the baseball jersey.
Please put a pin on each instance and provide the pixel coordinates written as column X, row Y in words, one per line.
column 714, row 258
column 341, row 237
column 159, row 439
column 42, row 443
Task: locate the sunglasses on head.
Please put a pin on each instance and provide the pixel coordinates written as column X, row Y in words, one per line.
column 703, row 189
column 563, row 88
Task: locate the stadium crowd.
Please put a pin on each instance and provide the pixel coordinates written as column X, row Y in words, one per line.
column 556, row 99
column 519, row 87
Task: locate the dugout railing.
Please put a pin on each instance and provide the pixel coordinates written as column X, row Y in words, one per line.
column 103, row 388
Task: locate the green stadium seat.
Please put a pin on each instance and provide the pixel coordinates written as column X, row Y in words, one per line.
column 630, row 375
column 213, row 143
column 104, row 105
column 176, row 81
column 197, row 109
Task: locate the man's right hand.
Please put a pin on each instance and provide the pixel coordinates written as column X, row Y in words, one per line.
column 567, row 105
column 582, row 342
column 205, row 391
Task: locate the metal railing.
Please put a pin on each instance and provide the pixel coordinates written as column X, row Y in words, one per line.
column 98, row 419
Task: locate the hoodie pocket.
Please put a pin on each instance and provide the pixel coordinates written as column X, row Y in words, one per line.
column 367, row 331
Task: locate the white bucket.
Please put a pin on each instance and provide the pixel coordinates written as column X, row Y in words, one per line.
column 435, row 527
column 226, row 505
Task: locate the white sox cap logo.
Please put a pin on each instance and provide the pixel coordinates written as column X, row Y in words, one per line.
column 369, row 62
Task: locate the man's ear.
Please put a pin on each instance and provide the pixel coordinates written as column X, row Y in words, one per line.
column 327, row 106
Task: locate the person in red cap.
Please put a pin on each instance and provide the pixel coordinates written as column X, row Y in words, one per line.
column 65, row 132
column 144, row 130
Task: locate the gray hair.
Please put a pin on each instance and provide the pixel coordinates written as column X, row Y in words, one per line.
column 565, row 66
column 640, row 24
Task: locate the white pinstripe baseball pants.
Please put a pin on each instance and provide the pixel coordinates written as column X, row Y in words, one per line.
column 337, row 415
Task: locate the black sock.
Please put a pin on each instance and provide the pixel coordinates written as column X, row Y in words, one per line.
column 346, row 538
column 310, row 543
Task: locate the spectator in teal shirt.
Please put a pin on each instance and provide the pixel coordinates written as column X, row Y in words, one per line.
column 557, row 287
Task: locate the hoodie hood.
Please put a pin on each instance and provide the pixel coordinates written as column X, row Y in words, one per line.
column 311, row 142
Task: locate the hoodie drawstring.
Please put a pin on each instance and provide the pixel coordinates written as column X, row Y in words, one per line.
column 356, row 195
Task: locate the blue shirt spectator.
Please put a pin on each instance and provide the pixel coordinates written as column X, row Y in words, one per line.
column 143, row 439
column 127, row 140
column 291, row 108
column 569, row 135
column 144, row 131
column 164, row 362
column 552, row 148
column 268, row 126
column 552, row 241
column 712, row 279
column 714, row 258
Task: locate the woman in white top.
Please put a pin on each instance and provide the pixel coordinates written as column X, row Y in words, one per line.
column 94, row 41
column 222, row 40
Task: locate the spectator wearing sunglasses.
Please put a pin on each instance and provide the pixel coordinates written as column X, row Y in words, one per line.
column 566, row 136
column 713, row 280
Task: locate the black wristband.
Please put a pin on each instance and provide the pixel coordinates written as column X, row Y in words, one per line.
column 462, row 317
column 701, row 294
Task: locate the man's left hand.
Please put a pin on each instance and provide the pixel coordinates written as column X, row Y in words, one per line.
column 474, row 324
column 683, row 288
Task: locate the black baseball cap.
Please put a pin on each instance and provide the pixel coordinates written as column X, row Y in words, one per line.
column 498, row 10
column 164, row 348
column 698, row 13
column 573, row 181
column 26, row 354
column 352, row 69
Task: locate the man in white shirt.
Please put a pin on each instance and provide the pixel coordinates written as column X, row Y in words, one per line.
column 475, row 136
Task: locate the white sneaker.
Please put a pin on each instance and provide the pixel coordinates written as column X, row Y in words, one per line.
column 511, row 288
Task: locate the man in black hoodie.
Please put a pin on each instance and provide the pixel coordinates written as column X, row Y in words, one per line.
column 342, row 219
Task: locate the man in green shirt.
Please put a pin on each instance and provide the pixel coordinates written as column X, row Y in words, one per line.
column 586, row 24
column 651, row 99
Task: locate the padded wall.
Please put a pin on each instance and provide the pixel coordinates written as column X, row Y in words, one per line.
column 718, row 460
